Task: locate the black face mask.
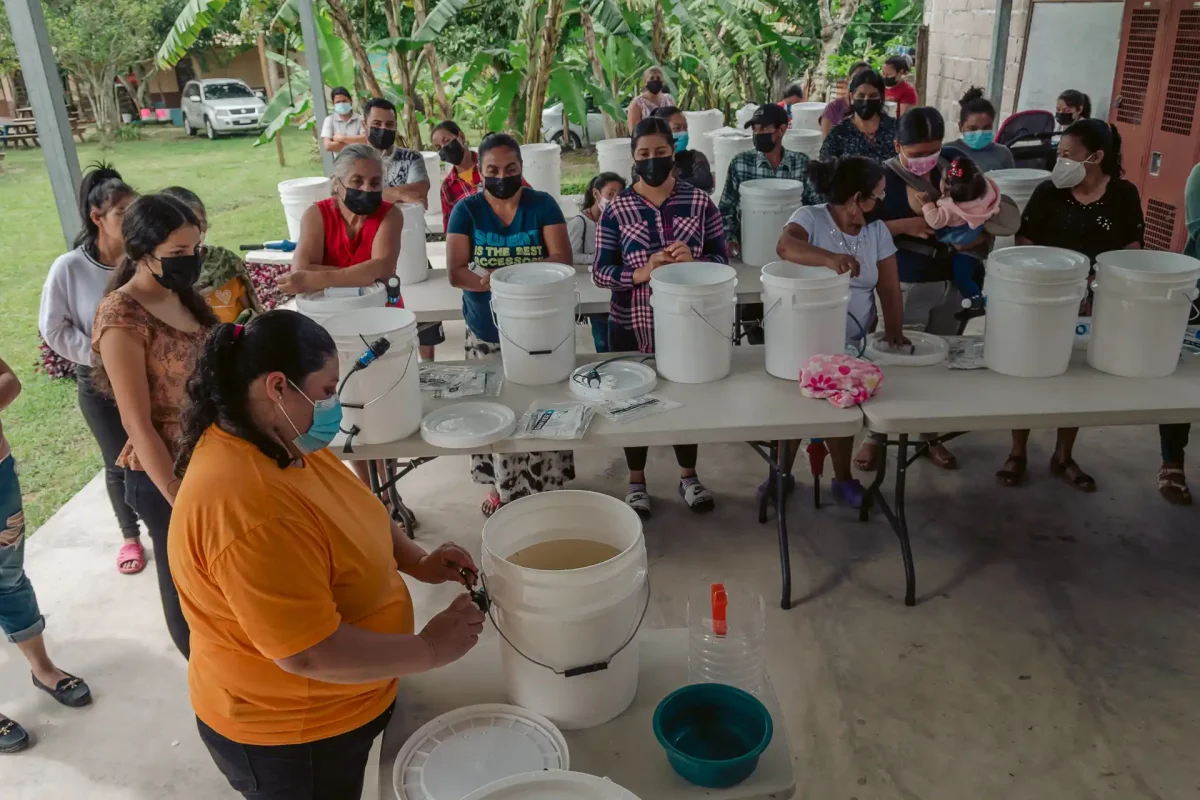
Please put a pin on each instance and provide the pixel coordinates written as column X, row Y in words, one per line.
column 381, row 138
column 502, row 188
column 890, row 81
column 179, row 273
column 655, row 171
column 1064, row 118
column 764, row 142
column 361, row 202
column 866, row 109
column 453, row 153
column 654, row 87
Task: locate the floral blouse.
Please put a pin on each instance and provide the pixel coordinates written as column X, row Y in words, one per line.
column 846, row 140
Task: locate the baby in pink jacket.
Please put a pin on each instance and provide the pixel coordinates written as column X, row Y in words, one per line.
column 969, row 199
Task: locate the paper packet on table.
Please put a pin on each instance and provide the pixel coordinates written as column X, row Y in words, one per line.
column 1191, row 341
column 634, row 408
column 443, row 381
column 567, row 420
column 966, row 352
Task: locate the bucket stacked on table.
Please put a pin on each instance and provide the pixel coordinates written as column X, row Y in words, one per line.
column 389, row 388
column 700, row 124
column 807, row 116
column 1141, row 311
column 726, row 143
column 297, row 195
column 534, row 309
column 413, row 265
column 325, row 305
column 615, row 156
column 542, row 167
column 767, row 205
column 804, row 315
column 694, row 304
column 803, row 140
column 1033, row 296
column 568, row 619
column 433, row 200
column 1018, row 185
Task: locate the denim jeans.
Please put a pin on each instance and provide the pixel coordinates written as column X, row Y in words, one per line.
column 20, row 618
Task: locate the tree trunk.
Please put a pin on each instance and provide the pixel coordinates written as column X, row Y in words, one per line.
column 264, row 65
column 659, row 32
column 341, row 21
column 833, row 28
column 389, row 11
column 536, row 97
column 435, row 65
column 99, row 91
column 589, row 36
column 408, row 84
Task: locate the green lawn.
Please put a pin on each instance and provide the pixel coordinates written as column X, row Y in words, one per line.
column 237, row 182
column 56, row 453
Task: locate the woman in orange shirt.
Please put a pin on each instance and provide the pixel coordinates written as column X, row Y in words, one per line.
column 287, row 571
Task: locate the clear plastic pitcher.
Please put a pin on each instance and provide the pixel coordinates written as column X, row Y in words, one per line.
column 732, row 651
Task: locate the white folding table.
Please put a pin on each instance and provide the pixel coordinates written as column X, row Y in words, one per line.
column 914, row 400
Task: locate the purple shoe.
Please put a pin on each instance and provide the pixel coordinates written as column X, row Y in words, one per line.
column 850, row 492
column 789, row 487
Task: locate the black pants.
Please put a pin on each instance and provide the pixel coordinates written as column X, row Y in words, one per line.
column 751, row 318
column 327, row 769
column 155, row 511
column 104, row 421
column 1174, row 440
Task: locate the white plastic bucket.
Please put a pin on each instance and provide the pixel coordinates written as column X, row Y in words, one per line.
column 744, row 114
column 297, row 195
column 807, row 116
column 694, row 304
column 433, row 168
column 804, row 315
column 413, row 264
column 615, row 156
column 325, row 305
column 568, row 619
column 767, row 204
column 1033, row 296
column 1140, row 311
column 1018, row 185
column 803, row 140
column 726, row 143
column 534, row 308
column 542, row 166
column 390, row 388
column 701, row 123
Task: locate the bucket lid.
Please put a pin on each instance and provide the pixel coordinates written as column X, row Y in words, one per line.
column 788, row 275
column 806, row 134
column 927, row 350
column 292, row 184
column 692, row 273
column 469, row 748
column 276, row 257
column 1009, row 177
column 371, row 323
column 521, row 278
column 541, row 148
column 361, row 297
column 770, row 188
column 467, row 425
column 1036, row 264
column 613, row 380
column 1149, row 266
column 807, row 106
column 553, row 786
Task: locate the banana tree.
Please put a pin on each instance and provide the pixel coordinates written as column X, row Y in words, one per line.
column 293, row 100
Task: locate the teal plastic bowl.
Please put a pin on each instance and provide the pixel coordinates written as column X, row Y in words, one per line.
column 713, row 733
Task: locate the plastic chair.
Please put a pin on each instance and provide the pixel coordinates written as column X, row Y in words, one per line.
column 162, row 114
column 145, row 114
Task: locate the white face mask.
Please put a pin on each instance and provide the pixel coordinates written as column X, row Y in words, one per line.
column 1068, row 173
column 602, row 202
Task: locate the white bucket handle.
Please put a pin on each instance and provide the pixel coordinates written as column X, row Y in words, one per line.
column 795, row 305
column 360, row 406
column 730, row 336
column 553, row 350
column 572, row 672
column 1190, row 293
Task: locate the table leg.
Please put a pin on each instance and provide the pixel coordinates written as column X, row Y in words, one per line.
column 782, row 473
column 772, row 479
column 897, row 519
column 875, row 489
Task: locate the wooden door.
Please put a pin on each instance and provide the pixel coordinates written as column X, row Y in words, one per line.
column 1176, row 133
column 1138, row 81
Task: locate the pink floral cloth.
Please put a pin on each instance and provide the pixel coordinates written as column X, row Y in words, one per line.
column 843, row 380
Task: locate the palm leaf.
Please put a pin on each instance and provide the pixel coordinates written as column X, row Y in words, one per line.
column 566, row 84
column 506, row 88
column 191, row 22
column 441, row 16
column 607, row 15
column 302, row 106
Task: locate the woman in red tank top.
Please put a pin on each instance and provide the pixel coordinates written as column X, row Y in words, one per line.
column 352, row 238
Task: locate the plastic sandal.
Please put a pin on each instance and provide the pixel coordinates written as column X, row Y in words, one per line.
column 131, row 558
column 13, row 738
column 70, row 691
column 1015, row 476
column 639, row 502
column 491, row 504
column 1080, row 480
column 850, row 492
column 697, row 497
column 940, row 456
column 1172, row 485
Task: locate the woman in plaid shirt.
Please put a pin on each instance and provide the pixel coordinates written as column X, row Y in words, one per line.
column 660, row 220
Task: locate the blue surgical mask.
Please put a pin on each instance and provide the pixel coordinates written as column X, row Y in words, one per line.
column 977, row 140
column 343, row 108
column 327, row 422
column 681, row 141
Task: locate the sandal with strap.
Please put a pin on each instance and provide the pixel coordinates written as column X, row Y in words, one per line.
column 639, row 501
column 70, row 691
column 490, row 505
column 131, row 558
column 1015, row 475
column 697, row 497
column 13, row 738
column 940, row 456
column 1172, row 485
column 1070, row 471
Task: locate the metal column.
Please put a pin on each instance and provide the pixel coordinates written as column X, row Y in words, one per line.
column 1000, row 28
column 312, row 55
column 49, row 109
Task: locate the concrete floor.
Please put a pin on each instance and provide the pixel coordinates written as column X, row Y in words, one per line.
column 1054, row 651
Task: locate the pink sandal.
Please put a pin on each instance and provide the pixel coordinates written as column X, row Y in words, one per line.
column 131, row 558
column 491, row 504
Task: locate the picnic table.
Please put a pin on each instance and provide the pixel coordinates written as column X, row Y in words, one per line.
column 19, row 132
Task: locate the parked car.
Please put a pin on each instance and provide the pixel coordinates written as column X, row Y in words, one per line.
column 221, row 106
column 552, row 128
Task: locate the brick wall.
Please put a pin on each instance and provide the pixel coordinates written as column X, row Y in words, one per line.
column 960, row 46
